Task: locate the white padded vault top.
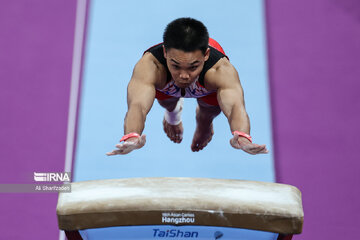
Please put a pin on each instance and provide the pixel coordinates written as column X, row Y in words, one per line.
column 181, row 201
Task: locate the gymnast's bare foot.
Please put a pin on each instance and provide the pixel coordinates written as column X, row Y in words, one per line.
column 174, row 132
column 202, row 136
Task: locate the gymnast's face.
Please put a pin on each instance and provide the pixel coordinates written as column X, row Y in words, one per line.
column 185, row 67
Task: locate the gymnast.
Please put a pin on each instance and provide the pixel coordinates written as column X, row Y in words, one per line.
column 188, row 64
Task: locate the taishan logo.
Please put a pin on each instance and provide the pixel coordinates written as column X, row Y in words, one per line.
column 52, row 177
column 174, row 233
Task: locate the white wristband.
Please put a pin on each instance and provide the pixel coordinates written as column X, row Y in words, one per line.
column 174, row 117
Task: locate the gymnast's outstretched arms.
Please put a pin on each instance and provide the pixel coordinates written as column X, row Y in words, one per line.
column 230, row 95
column 223, row 77
column 148, row 75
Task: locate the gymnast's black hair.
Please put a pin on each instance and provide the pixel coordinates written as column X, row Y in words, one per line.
column 186, row 34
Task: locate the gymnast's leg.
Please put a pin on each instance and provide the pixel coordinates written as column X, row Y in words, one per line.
column 172, row 123
column 205, row 113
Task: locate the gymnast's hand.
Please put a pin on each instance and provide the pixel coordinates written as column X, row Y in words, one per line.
column 128, row 145
column 244, row 144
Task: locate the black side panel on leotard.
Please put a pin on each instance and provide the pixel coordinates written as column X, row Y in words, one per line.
column 158, row 53
column 215, row 55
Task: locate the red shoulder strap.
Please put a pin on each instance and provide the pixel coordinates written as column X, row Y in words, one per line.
column 216, row 45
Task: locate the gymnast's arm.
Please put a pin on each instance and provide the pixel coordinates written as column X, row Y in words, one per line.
column 140, row 94
column 140, row 98
column 230, row 95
